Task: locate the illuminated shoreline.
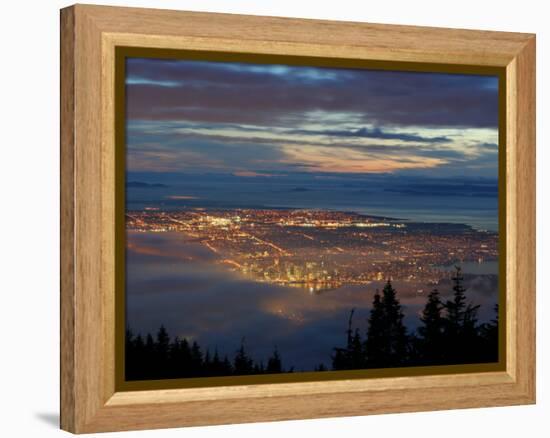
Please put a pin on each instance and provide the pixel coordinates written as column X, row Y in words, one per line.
column 321, row 250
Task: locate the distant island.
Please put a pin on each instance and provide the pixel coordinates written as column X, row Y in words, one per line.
column 144, row 185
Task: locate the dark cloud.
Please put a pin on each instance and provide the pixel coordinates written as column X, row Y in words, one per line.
column 377, row 133
column 174, row 147
column 270, row 95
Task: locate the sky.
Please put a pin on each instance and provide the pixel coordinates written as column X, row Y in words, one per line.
column 273, row 121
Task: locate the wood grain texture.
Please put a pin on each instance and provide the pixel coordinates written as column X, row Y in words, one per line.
column 67, row 325
column 330, row 38
column 525, row 168
column 89, row 36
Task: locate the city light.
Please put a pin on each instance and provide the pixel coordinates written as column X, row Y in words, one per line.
column 272, row 246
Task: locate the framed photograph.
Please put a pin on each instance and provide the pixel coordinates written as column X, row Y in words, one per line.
column 270, row 218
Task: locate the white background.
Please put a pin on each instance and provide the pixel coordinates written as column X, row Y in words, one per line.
column 29, row 218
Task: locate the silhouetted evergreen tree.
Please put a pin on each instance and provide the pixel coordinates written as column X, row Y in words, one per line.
column 387, row 342
column 449, row 333
column 181, row 353
column 217, row 367
column 357, row 350
column 149, row 364
column 243, row 364
column 352, row 356
column 196, row 360
column 489, row 336
column 258, row 368
column 376, row 335
column 162, row 348
column 456, row 307
column 430, row 345
column 461, row 332
column 274, row 364
column 340, row 359
column 160, row 358
column 396, row 340
column 207, row 364
column 227, row 366
column 130, row 354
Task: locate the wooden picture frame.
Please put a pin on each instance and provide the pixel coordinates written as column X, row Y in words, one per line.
column 91, row 401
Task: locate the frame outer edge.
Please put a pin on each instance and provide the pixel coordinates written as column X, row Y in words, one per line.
column 67, row 222
column 526, row 218
column 83, row 324
column 91, row 387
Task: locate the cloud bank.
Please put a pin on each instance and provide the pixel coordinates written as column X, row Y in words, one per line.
column 234, row 117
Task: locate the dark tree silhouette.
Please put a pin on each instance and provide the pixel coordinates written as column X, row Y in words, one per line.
column 340, row 359
column 395, row 331
column 456, row 308
column 197, row 364
column 161, row 349
column 448, row 333
column 489, row 336
column 461, row 333
column 207, row 364
column 243, row 364
column 387, row 342
column 181, row 358
column 376, row 334
column 352, row 356
column 274, row 364
column 162, row 358
column 430, row 345
column 131, row 353
column 219, row 367
column 357, row 352
column 226, row 365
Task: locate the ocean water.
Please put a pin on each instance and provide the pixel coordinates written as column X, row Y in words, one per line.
column 471, row 202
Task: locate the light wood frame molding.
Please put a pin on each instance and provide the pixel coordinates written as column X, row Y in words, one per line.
column 89, row 35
